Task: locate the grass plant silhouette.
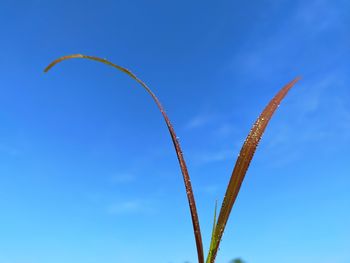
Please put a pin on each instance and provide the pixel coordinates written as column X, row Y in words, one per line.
column 244, row 158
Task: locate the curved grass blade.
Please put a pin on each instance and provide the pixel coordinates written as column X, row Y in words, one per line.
column 212, row 240
column 242, row 164
column 186, row 177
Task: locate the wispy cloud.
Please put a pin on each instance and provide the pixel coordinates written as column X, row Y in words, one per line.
column 217, row 126
column 212, row 156
column 129, row 207
column 324, row 108
column 8, row 150
column 308, row 21
column 122, row 178
column 211, row 189
column 319, row 116
column 225, row 129
column 199, row 121
column 318, row 15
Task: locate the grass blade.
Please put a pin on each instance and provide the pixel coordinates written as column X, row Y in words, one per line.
column 212, row 233
column 186, row 177
column 242, row 164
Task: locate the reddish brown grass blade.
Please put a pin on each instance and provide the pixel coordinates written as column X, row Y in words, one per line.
column 186, row 177
column 242, row 164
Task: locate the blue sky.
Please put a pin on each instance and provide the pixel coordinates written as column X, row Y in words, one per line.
column 87, row 169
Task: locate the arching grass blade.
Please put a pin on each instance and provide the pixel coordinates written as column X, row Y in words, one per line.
column 186, row 177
